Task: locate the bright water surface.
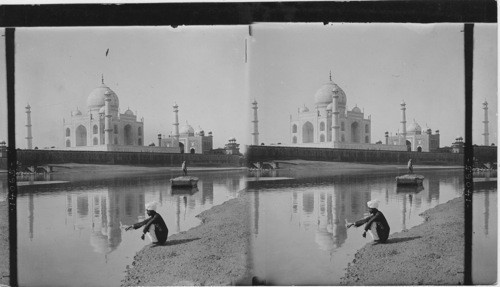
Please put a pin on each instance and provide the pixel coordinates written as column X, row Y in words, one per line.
column 299, row 226
column 72, row 234
column 69, row 234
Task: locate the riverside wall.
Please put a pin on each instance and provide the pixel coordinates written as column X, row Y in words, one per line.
column 44, row 157
column 269, row 153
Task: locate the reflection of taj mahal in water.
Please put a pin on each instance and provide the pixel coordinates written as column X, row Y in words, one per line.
column 104, row 211
column 325, row 212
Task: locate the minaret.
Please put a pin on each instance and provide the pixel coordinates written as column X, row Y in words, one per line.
column 255, row 122
column 335, row 118
column 403, row 124
column 486, row 134
column 107, row 122
column 28, row 126
column 176, row 122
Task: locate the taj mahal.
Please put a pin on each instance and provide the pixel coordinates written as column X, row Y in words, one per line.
column 103, row 128
column 330, row 124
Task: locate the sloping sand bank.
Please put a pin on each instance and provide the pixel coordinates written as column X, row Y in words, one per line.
column 213, row 253
column 428, row 254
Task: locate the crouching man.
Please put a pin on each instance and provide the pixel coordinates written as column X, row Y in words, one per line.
column 375, row 224
column 154, row 226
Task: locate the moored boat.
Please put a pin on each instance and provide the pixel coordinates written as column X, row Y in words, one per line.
column 410, row 179
column 184, row 181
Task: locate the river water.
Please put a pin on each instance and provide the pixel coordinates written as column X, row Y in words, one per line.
column 299, row 226
column 71, row 234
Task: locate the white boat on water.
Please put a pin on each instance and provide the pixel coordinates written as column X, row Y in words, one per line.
column 410, row 179
column 184, row 181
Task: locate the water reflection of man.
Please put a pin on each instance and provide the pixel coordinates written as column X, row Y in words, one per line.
column 154, row 226
column 184, row 168
column 376, row 224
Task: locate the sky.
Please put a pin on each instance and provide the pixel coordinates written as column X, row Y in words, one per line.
column 149, row 68
column 378, row 66
column 203, row 70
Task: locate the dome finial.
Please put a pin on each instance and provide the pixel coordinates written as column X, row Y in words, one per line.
column 102, row 79
column 330, row 75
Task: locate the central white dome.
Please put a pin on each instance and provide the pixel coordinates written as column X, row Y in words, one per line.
column 324, row 95
column 96, row 98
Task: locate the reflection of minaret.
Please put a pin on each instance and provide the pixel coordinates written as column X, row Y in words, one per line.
column 28, row 126
column 433, row 190
column 323, row 237
column 339, row 229
column 294, row 202
column 31, row 217
column 403, row 210
column 256, row 207
column 486, row 211
column 486, row 133
column 178, row 214
column 207, row 191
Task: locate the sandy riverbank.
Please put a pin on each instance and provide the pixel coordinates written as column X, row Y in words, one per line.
column 428, row 254
column 216, row 252
column 213, row 253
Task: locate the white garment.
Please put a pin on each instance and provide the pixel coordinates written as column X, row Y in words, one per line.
column 373, row 203
column 151, row 205
column 152, row 234
column 373, row 232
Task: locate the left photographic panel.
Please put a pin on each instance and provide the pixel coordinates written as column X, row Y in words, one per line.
column 107, row 120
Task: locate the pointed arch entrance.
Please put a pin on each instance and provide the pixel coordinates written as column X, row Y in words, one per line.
column 81, row 136
column 355, row 132
column 307, row 133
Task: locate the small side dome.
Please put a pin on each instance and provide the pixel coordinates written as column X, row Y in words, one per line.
column 128, row 112
column 329, row 107
column 232, row 139
column 102, row 110
column 186, row 129
column 304, row 109
column 199, row 132
column 356, row 110
column 77, row 112
column 414, row 128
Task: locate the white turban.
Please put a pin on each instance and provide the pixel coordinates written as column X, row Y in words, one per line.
column 372, row 203
column 151, row 206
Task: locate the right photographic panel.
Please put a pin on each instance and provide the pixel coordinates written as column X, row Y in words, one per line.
column 356, row 161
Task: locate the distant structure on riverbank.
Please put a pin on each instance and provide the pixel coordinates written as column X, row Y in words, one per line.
column 412, row 137
column 186, row 139
column 331, row 124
